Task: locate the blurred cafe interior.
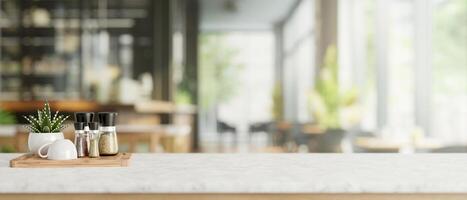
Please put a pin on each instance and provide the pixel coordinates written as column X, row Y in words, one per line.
column 242, row 76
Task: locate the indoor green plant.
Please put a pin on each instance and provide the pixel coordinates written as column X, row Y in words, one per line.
column 6, row 118
column 329, row 103
column 7, row 125
column 44, row 128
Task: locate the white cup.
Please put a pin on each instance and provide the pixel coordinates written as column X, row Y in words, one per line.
column 60, row 149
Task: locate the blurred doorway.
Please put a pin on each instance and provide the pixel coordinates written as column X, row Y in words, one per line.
column 237, row 70
column 236, row 85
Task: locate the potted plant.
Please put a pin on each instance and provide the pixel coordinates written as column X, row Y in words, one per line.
column 44, row 128
column 6, row 118
column 332, row 108
column 7, row 128
column 7, row 122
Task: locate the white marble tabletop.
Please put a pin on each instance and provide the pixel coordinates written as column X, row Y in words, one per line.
column 249, row 173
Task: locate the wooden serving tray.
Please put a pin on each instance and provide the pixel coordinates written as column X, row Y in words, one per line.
column 33, row 161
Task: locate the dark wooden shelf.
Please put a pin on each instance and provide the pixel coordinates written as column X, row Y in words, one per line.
column 64, row 106
column 155, row 107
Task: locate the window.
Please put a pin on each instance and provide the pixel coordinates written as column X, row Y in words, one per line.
column 413, row 57
column 449, row 60
column 298, row 61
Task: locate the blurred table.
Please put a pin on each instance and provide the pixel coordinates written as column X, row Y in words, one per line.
column 312, row 129
column 377, row 144
column 7, row 137
column 174, row 138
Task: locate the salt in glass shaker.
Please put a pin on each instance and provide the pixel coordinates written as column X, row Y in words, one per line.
column 93, row 139
column 108, row 144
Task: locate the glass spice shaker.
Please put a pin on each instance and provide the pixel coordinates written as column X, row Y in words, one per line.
column 108, row 144
column 84, row 117
column 93, row 139
column 83, row 137
column 81, row 146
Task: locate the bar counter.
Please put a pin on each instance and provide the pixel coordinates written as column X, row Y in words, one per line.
column 247, row 176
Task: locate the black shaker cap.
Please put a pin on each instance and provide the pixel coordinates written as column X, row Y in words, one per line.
column 79, row 125
column 93, row 126
column 107, row 118
column 85, row 117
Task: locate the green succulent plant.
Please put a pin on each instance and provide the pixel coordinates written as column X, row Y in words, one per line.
column 44, row 122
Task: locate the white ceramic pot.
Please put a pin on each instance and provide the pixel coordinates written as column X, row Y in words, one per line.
column 36, row 140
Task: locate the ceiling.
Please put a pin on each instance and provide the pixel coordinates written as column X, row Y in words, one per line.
column 241, row 15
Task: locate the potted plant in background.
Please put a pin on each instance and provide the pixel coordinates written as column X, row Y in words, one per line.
column 332, row 108
column 6, row 118
column 281, row 126
column 44, row 128
column 7, row 131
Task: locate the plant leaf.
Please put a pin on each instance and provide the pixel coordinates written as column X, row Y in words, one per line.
column 33, row 121
column 47, row 110
column 57, row 125
column 46, row 129
column 56, row 115
column 32, row 129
